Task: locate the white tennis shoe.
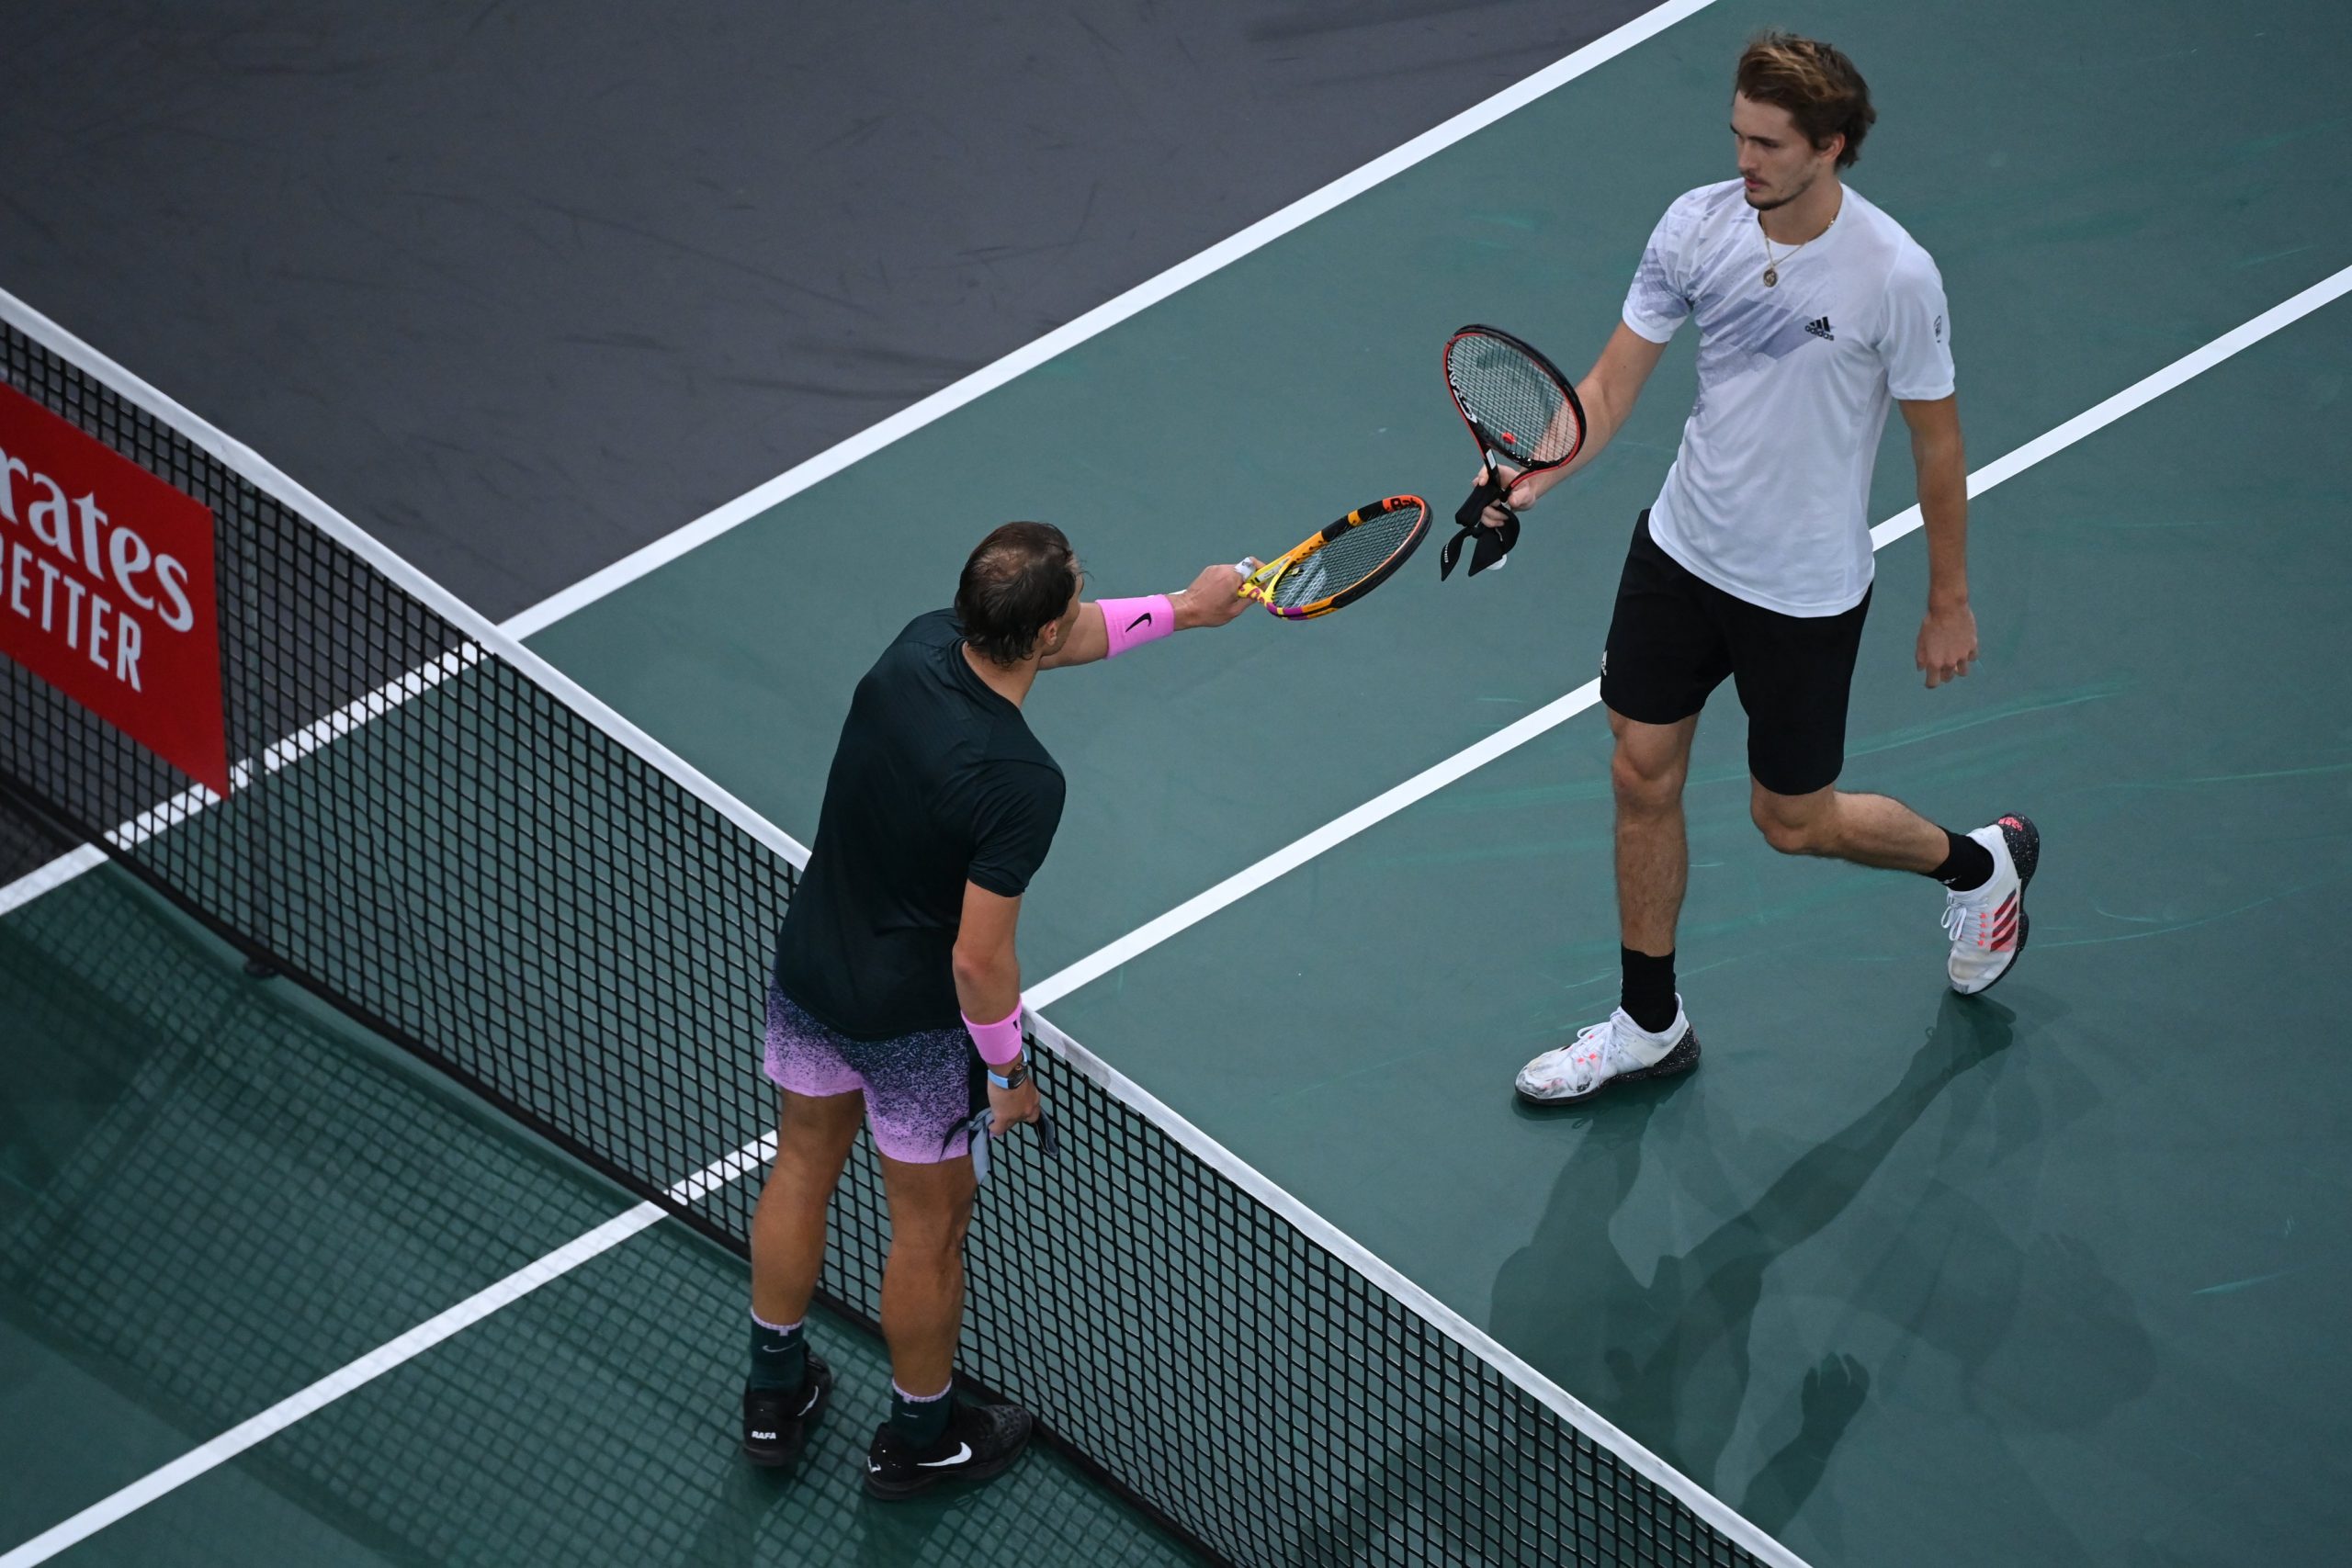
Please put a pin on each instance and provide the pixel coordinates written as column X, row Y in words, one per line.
column 1988, row 926
column 1614, row 1051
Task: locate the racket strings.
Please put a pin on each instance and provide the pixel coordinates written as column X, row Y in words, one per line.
column 1516, row 406
column 1347, row 560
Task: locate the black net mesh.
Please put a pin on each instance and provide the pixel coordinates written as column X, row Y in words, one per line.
column 436, row 843
column 1516, row 405
column 150, row 1236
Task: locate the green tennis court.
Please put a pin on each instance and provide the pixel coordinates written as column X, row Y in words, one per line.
column 2043, row 1278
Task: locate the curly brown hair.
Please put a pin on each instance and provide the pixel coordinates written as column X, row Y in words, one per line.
column 1816, row 83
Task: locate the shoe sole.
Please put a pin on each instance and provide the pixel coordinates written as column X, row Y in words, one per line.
column 897, row 1491
column 775, row 1456
column 1683, row 1058
column 2025, row 853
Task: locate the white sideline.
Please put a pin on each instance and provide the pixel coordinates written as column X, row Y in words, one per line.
column 1108, row 314
column 1061, row 984
column 504, row 642
column 485, row 638
column 358, row 1374
column 1248, row 880
column 834, row 458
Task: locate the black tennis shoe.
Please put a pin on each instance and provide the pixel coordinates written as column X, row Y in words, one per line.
column 981, row 1440
column 777, row 1422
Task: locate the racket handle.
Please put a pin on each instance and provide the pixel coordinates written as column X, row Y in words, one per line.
column 1471, row 519
column 1488, row 492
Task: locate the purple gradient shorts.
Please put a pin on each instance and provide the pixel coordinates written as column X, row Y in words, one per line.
column 920, row 1088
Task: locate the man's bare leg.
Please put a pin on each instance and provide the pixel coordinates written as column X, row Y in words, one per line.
column 1865, row 830
column 812, row 1144
column 789, row 1385
column 1653, row 866
column 922, row 1280
column 1653, row 851
column 1984, row 872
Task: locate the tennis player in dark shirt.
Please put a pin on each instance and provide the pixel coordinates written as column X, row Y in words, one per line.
column 896, row 997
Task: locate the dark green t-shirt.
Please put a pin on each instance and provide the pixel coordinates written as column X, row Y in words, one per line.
column 936, row 782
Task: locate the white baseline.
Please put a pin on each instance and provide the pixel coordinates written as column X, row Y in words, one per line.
column 189, row 1466
column 907, row 420
column 1101, row 318
column 1201, row 906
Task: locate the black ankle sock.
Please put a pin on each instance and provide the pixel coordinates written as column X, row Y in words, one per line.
column 1648, row 996
column 923, row 1422
column 1968, row 865
column 779, row 1357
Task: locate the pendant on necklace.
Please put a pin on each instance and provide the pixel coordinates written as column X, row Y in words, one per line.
column 1771, row 277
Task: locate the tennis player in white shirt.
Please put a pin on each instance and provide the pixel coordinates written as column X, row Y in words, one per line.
column 1814, row 309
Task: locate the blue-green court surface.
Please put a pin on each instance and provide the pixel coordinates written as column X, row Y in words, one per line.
column 2046, row 1277
column 2031, row 1279
column 213, row 1191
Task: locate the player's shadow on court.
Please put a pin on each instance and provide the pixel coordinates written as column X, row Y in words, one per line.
column 1668, row 1357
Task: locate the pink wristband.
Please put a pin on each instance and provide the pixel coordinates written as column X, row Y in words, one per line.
column 1132, row 621
column 998, row 1043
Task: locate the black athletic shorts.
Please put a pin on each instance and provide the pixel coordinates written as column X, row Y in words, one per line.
column 1674, row 638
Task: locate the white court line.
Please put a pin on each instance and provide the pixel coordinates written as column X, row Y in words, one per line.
column 1103, row 317
column 56, row 874
column 506, row 640
column 948, row 398
column 351, row 716
column 1201, row 906
column 1313, row 1224
column 393, row 1353
column 485, row 638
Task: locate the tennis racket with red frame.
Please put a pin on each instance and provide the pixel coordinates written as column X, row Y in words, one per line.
column 1520, row 412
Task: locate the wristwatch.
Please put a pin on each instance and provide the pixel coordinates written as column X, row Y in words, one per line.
column 1013, row 1080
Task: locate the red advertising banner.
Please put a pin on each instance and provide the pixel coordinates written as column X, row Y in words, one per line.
column 106, row 587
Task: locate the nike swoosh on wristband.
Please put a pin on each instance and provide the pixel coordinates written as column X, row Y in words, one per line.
column 963, row 1452
column 1142, row 620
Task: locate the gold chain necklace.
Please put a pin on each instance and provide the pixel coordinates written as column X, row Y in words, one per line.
column 1772, row 262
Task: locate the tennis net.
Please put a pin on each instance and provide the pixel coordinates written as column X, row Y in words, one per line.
column 447, row 839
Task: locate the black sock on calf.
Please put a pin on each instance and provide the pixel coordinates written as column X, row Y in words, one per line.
column 920, row 1421
column 1968, row 865
column 1648, row 995
column 779, row 1356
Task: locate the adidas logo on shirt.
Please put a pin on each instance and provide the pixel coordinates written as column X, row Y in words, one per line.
column 1820, row 328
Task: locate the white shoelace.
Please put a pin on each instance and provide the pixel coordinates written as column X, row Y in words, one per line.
column 1584, row 1058
column 1962, row 911
column 1956, row 914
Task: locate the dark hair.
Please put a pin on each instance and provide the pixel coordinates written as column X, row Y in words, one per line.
column 1016, row 585
column 1818, row 84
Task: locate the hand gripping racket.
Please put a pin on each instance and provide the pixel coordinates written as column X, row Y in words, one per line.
column 1520, row 411
column 1339, row 565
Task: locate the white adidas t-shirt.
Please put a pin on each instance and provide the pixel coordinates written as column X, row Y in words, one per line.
column 1768, row 497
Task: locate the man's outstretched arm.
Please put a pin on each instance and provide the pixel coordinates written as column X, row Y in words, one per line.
column 1211, row 601
column 1608, row 392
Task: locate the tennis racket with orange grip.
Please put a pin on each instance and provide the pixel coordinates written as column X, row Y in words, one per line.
column 1338, row 565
